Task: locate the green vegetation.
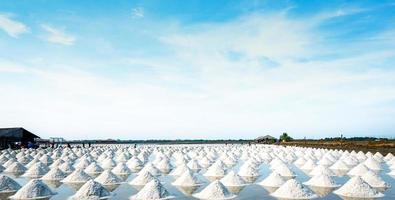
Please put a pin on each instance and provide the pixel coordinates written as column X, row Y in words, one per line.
column 285, row 137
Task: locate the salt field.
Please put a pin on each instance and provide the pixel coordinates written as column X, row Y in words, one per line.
column 119, row 172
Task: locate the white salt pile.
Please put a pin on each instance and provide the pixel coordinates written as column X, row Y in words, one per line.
column 357, row 188
column 154, row 190
column 108, row 163
column 93, row 168
column 187, row 179
column 142, row 179
column 293, row 190
column 34, row 189
column 66, row 167
column 151, row 169
column 215, row 170
column 108, row 178
column 322, row 180
column 178, row 171
column 134, row 163
column 164, row 165
column 121, row 169
column 194, row 165
column 8, row 184
column 248, row 171
column 339, row 165
column 284, row 171
column 374, row 180
column 37, row 170
column 273, row 180
column 16, row 168
column 233, row 180
column 91, row 189
column 372, row 164
column 321, row 169
column 78, row 176
column 358, row 170
column 215, row 190
column 54, row 174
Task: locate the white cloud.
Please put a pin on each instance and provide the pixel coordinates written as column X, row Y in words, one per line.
column 12, row 27
column 58, row 36
column 137, row 13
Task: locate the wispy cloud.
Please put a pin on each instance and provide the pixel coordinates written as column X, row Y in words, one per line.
column 58, row 36
column 12, row 27
column 137, row 13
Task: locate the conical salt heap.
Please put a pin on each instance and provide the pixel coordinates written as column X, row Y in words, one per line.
column 358, row 188
column 15, row 167
column 151, row 169
column 142, row 179
column 8, row 184
column 215, row 170
column 66, row 167
column 34, row 189
column 78, row 176
column 194, row 165
column 358, row 170
column 178, row 171
column 121, row 169
column 248, row 171
column 93, row 168
column 273, row 180
column 154, row 190
column 187, row 179
column 372, row 164
column 233, row 180
column 37, row 170
column 293, row 190
column 339, row 165
column 321, row 169
column 91, row 189
column 374, row 180
column 55, row 174
column 134, row 163
column 215, row 190
column 322, row 180
column 108, row 178
column 284, row 171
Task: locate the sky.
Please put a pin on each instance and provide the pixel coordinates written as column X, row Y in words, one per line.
column 172, row 69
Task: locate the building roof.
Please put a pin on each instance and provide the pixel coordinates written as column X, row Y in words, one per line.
column 266, row 137
column 18, row 132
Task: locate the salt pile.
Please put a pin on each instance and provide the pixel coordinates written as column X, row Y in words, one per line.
column 215, row 190
column 108, row 178
column 67, row 167
column 194, row 165
column 322, row 180
column 358, row 170
column 293, row 190
column 321, row 169
column 34, row 189
column 248, row 171
column 215, row 170
column 372, row 164
column 273, row 180
column 91, row 189
column 36, row 170
column 357, row 188
column 233, row 180
column 374, row 180
column 339, row 165
column 16, row 168
column 142, row 179
column 54, row 174
column 284, row 171
column 134, row 163
column 178, row 171
column 153, row 190
column 78, row 176
column 93, row 168
column 151, row 169
column 121, row 169
column 8, row 184
column 187, row 179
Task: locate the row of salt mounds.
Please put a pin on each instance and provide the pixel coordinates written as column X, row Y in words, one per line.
column 293, row 190
column 34, row 189
column 356, row 187
column 322, row 180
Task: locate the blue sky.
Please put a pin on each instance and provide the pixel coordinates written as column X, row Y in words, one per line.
column 198, row 69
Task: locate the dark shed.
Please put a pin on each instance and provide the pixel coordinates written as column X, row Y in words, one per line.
column 12, row 136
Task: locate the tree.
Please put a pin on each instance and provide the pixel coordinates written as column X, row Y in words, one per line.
column 285, row 137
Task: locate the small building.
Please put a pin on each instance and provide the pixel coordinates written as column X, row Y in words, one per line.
column 13, row 137
column 267, row 139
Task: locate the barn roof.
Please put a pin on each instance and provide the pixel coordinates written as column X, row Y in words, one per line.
column 17, row 132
